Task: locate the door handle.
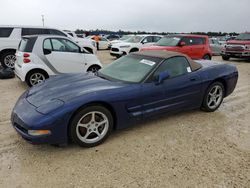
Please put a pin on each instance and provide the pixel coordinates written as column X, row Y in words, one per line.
column 193, row 79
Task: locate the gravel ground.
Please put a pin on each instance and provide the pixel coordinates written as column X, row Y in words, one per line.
column 190, row 149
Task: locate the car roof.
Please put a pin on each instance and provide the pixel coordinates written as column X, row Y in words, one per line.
column 45, row 36
column 187, row 35
column 28, row 26
column 168, row 54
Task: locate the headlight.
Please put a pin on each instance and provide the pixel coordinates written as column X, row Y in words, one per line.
column 50, row 106
column 127, row 46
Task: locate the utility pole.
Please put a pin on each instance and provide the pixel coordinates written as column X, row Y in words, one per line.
column 43, row 19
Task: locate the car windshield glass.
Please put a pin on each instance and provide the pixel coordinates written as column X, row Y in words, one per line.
column 243, row 36
column 135, row 39
column 126, row 37
column 132, row 68
column 169, row 41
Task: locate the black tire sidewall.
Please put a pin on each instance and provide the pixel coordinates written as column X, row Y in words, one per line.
column 208, row 57
column 92, row 66
column 204, row 103
column 79, row 115
column 3, row 57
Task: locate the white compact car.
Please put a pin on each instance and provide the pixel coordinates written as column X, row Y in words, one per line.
column 124, row 38
column 10, row 37
column 133, row 44
column 39, row 57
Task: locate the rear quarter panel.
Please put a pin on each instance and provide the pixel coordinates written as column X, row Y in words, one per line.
column 214, row 71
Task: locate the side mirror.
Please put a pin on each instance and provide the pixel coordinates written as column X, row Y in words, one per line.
column 182, row 44
column 161, row 77
column 47, row 51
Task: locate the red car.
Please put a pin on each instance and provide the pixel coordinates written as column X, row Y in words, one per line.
column 237, row 48
column 195, row 46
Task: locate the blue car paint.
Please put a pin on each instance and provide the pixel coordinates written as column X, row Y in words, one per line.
column 130, row 103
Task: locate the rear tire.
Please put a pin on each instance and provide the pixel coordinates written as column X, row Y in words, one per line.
column 36, row 77
column 213, row 97
column 207, row 57
column 133, row 50
column 225, row 57
column 94, row 68
column 8, row 59
column 91, row 126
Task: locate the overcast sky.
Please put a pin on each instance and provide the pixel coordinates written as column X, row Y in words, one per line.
column 143, row 15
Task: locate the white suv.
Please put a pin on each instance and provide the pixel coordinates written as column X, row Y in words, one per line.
column 39, row 57
column 133, row 44
column 10, row 37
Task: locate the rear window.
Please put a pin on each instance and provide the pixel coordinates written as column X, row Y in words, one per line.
column 27, row 44
column 5, row 31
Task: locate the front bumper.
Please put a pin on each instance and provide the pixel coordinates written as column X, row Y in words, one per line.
column 29, row 119
column 236, row 53
column 116, row 52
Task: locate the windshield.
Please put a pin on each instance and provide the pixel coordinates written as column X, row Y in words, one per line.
column 132, row 68
column 169, row 41
column 135, row 39
column 126, row 37
column 243, row 36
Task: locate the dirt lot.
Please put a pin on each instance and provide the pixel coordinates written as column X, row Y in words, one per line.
column 191, row 149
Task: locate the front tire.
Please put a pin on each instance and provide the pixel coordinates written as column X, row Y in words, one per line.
column 213, row 97
column 91, row 126
column 225, row 57
column 8, row 59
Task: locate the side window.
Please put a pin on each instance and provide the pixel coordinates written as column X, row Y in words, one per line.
column 198, row 41
column 47, row 44
column 56, row 32
column 32, row 31
column 176, row 66
column 187, row 40
column 103, row 39
column 5, row 31
column 148, row 39
column 63, row 45
column 156, row 38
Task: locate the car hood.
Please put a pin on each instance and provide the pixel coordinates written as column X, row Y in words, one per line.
column 68, row 86
column 242, row 42
column 121, row 44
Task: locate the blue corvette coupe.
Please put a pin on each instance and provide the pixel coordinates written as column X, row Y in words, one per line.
column 85, row 108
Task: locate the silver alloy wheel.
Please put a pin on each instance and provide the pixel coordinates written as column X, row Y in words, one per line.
column 10, row 60
column 92, row 127
column 215, row 97
column 36, row 78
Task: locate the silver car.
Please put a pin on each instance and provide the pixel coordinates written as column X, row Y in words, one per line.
column 215, row 46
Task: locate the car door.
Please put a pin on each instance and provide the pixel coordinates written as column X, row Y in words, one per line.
column 215, row 46
column 186, row 48
column 65, row 57
column 198, row 46
column 147, row 41
column 180, row 91
column 103, row 44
